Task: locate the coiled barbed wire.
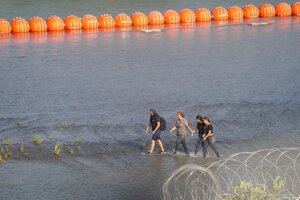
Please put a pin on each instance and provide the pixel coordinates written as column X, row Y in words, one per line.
column 259, row 168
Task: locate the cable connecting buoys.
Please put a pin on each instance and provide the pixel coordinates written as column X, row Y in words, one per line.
column 202, row 15
column 89, row 22
column 220, row 14
column 283, row 9
column 155, row 18
column 19, row 25
column 187, row 16
column 296, row 8
column 106, row 21
column 5, row 26
column 55, row 23
column 266, row 10
column 235, row 12
column 139, row 19
column 123, row 20
column 171, row 17
column 37, row 24
column 250, row 11
column 73, row 22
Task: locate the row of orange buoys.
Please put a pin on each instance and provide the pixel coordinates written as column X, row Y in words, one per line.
column 72, row 22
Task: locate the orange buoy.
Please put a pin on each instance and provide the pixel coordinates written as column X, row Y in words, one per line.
column 220, row 14
column 235, row 12
column 19, row 25
column 250, row 11
column 171, row 17
column 283, row 9
column 139, row 19
column 123, row 20
column 73, row 22
column 5, row 26
column 37, row 24
column 266, row 10
column 55, row 23
column 155, row 18
column 187, row 16
column 89, row 22
column 202, row 15
column 296, row 8
column 106, row 21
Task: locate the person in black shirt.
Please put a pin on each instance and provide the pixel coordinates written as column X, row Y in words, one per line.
column 201, row 129
column 207, row 137
column 155, row 125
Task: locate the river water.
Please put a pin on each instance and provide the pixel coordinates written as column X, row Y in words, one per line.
column 93, row 90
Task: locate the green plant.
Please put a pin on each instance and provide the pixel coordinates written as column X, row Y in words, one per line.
column 57, row 149
column 22, row 148
column 63, row 125
column 18, row 123
column 78, row 148
column 7, row 142
column 37, row 139
column 78, row 140
column 71, row 151
column 51, row 137
column 247, row 191
column 278, row 188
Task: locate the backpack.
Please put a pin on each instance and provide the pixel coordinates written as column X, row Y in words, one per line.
column 163, row 124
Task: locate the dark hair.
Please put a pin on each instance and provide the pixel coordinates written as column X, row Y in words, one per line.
column 207, row 119
column 199, row 117
column 181, row 114
column 153, row 111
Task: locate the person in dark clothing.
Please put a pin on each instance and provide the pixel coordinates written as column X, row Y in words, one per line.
column 154, row 123
column 208, row 137
column 201, row 132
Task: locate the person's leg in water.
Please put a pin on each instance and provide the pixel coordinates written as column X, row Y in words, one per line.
column 152, row 146
column 159, row 142
column 178, row 141
column 185, row 146
column 205, row 146
column 155, row 137
column 198, row 145
column 213, row 146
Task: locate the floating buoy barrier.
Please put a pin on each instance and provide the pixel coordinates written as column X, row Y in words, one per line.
column 283, row 9
column 155, row 18
column 296, row 8
column 266, row 10
column 250, row 11
column 235, row 12
column 106, row 21
column 171, row 17
column 187, row 16
column 123, row 20
column 19, row 25
column 89, row 22
column 37, row 24
column 202, row 15
column 139, row 19
column 152, row 30
column 73, row 22
column 55, row 23
column 259, row 23
column 220, row 14
column 5, row 26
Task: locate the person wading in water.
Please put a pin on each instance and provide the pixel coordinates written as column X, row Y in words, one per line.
column 155, row 124
column 181, row 126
